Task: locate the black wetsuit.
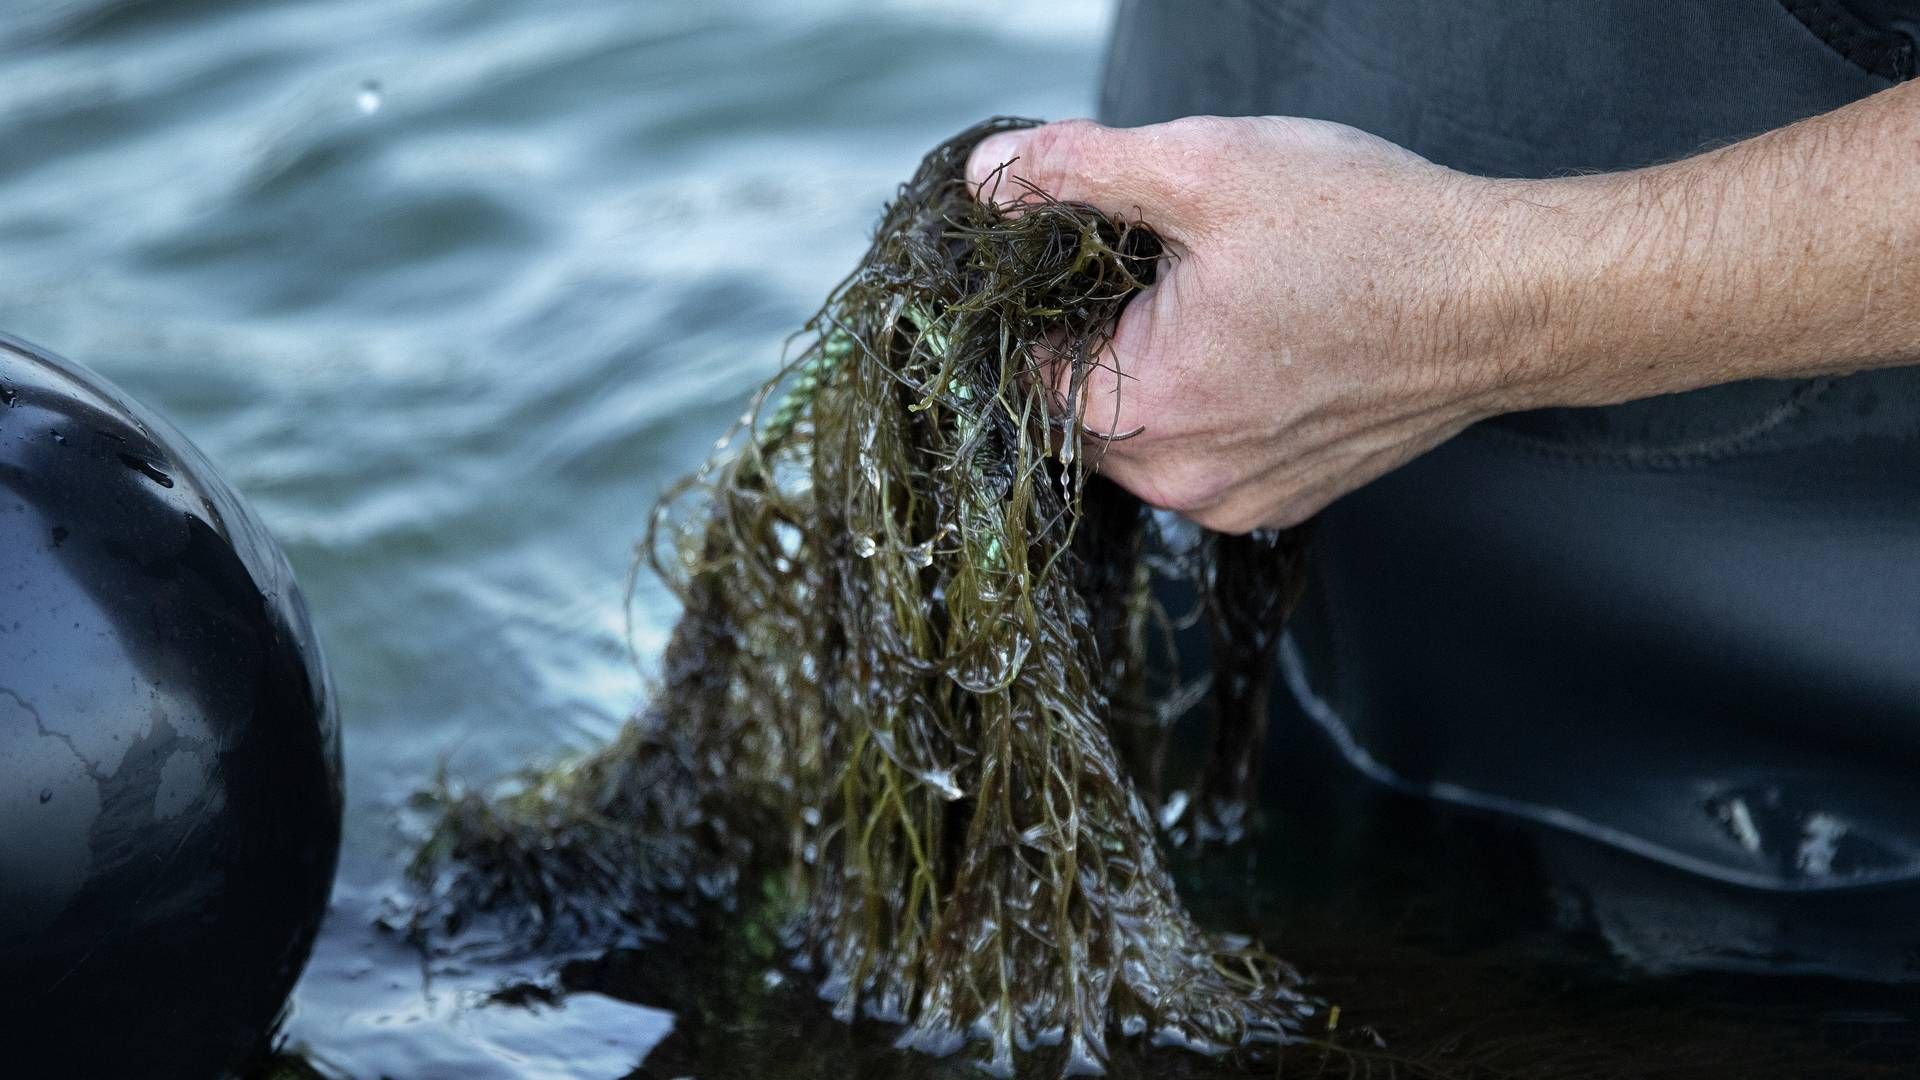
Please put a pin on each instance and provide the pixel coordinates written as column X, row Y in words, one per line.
column 1688, row 627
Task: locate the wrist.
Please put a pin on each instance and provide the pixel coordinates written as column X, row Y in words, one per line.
column 1568, row 267
column 1516, row 311
column 1654, row 281
column 1784, row 256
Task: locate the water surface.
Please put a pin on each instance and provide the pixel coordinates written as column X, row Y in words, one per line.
column 450, row 289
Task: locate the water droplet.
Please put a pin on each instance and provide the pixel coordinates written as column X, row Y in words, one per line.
column 46, row 795
column 865, row 547
column 941, row 780
column 1174, row 808
column 921, row 555
column 869, row 467
column 59, row 438
column 369, row 98
column 148, row 468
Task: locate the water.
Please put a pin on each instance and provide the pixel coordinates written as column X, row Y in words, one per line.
column 451, row 289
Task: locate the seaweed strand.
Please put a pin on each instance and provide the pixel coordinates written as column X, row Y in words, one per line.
column 913, row 645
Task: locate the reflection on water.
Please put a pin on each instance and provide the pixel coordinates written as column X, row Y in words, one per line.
column 451, row 289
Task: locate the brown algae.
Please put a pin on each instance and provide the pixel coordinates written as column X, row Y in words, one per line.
column 909, row 695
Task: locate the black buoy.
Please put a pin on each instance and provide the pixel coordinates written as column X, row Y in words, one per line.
column 170, row 786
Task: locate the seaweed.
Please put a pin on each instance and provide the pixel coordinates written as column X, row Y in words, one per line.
column 910, row 690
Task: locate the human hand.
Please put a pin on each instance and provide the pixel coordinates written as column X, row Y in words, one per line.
column 1329, row 311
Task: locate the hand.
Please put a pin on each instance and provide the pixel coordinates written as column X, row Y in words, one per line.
column 1337, row 305
column 1324, row 317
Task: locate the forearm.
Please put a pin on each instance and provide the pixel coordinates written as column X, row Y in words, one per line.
column 1339, row 304
column 1794, row 253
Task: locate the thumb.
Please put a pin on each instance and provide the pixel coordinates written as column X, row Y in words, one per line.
column 1110, row 169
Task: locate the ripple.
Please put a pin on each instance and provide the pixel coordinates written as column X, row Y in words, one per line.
column 401, row 251
column 451, row 348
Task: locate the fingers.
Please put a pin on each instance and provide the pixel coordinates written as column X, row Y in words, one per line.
column 1107, row 168
column 1117, row 170
column 1142, row 173
column 1116, row 384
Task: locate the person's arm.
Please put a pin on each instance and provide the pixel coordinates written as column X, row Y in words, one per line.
column 1339, row 305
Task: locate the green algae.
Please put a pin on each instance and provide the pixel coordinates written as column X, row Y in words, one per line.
column 910, row 685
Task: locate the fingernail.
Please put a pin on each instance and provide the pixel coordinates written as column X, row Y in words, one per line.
column 992, row 152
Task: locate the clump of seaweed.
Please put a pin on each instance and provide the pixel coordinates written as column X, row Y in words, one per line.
column 909, row 690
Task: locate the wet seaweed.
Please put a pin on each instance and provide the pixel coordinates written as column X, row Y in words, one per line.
column 909, row 692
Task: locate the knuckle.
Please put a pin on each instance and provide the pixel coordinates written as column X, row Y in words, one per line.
column 1198, row 154
column 1204, row 131
column 1062, row 150
column 1204, row 140
column 1067, row 135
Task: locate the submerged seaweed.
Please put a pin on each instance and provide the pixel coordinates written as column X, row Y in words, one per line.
column 909, row 692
